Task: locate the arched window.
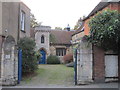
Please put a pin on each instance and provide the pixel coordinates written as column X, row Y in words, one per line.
column 42, row 39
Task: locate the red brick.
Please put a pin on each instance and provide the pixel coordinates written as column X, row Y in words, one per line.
column 98, row 65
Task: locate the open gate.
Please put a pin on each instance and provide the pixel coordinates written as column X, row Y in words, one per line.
column 75, row 67
column 19, row 65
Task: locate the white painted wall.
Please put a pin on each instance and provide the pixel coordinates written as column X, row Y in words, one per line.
column 111, row 65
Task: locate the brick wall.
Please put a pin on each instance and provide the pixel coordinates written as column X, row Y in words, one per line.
column 98, row 65
column 112, row 6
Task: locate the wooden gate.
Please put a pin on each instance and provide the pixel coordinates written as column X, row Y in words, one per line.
column 19, row 65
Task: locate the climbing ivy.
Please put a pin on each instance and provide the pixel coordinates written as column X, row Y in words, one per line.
column 105, row 30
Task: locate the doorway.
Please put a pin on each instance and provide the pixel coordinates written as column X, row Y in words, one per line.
column 43, row 57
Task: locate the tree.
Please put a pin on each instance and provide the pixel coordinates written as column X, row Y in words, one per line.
column 29, row 56
column 79, row 23
column 58, row 28
column 105, row 30
column 33, row 22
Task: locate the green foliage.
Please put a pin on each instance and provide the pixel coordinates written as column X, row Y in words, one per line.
column 105, row 30
column 29, row 56
column 79, row 23
column 52, row 59
column 58, row 28
column 33, row 22
column 52, row 38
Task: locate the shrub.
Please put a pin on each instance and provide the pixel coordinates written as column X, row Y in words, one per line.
column 29, row 56
column 68, row 58
column 52, row 59
column 105, row 30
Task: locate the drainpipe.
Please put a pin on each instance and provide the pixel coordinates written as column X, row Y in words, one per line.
column 18, row 36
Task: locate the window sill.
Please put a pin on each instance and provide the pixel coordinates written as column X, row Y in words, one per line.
column 23, row 31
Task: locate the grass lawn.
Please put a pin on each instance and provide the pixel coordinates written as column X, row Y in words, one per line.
column 51, row 75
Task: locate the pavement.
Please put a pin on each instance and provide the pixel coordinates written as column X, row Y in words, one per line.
column 97, row 85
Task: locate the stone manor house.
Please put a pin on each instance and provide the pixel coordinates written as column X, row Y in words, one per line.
column 55, row 42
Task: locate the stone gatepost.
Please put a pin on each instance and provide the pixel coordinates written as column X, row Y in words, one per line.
column 9, row 62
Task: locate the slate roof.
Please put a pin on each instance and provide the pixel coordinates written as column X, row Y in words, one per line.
column 99, row 7
column 61, row 37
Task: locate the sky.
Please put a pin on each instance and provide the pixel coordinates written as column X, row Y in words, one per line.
column 60, row 13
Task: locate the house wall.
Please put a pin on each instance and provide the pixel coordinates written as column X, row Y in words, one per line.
column 24, row 8
column 10, row 19
column 77, row 36
column 112, row 6
column 11, row 22
column 53, row 50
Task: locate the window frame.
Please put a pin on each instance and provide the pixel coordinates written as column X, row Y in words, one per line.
column 60, row 51
column 42, row 39
column 22, row 20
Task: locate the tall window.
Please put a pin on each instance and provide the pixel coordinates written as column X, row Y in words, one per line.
column 42, row 39
column 60, row 51
column 22, row 21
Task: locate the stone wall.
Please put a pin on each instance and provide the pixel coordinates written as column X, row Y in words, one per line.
column 9, row 62
column 84, row 63
column 53, row 50
column 44, row 45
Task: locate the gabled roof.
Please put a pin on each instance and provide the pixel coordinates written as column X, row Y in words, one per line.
column 61, row 37
column 99, row 7
column 79, row 30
